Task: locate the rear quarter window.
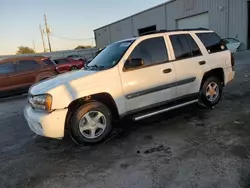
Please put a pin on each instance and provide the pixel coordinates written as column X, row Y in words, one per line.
column 61, row 61
column 48, row 62
column 212, row 42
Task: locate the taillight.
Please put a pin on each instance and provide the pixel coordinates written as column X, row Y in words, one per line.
column 56, row 70
column 232, row 60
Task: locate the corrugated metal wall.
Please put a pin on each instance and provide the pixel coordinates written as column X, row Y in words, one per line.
column 227, row 17
column 151, row 17
column 121, row 30
column 238, row 20
column 217, row 10
column 102, row 37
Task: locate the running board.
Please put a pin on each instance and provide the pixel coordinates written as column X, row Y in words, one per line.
column 140, row 117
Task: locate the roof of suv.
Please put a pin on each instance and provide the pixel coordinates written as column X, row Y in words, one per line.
column 176, row 30
column 167, row 31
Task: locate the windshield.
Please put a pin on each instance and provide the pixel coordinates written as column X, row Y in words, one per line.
column 111, row 55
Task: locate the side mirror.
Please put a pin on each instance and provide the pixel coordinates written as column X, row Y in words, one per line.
column 133, row 63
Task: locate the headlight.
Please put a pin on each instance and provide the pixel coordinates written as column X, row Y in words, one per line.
column 43, row 102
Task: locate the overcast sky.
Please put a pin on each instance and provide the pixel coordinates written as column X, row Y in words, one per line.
column 70, row 19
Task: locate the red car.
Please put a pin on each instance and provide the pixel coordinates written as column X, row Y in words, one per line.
column 65, row 65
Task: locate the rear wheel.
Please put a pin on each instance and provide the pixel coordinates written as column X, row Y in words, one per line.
column 91, row 123
column 73, row 68
column 211, row 91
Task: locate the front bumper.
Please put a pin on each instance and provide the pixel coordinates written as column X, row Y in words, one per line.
column 50, row 125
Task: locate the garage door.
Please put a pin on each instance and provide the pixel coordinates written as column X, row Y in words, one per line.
column 200, row 20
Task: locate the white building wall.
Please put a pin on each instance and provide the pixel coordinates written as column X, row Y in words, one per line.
column 185, row 8
column 103, row 37
column 227, row 17
column 151, row 17
column 238, row 22
column 121, row 30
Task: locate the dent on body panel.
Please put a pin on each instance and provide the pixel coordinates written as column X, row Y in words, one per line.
column 63, row 95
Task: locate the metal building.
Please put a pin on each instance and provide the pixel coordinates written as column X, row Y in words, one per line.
column 229, row 18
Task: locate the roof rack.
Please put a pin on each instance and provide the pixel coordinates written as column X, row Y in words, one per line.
column 165, row 31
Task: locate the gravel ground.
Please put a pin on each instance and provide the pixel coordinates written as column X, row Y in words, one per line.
column 190, row 147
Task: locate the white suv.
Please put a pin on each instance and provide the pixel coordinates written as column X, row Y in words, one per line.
column 140, row 77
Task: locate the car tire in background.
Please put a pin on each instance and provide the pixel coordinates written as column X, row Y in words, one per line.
column 211, row 91
column 91, row 123
column 73, row 68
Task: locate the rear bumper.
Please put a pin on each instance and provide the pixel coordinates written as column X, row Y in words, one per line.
column 229, row 74
column 50, row 125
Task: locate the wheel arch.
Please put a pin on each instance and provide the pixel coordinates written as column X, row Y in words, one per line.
column 44, row 75
column 218, row 72
column 104, row 98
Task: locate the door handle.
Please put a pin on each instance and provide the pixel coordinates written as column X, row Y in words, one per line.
column 167, row 71
column 202, row 62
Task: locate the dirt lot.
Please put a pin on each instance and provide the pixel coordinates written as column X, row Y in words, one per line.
column 191, row 147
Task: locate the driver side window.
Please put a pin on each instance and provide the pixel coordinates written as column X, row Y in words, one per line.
column 151, row 51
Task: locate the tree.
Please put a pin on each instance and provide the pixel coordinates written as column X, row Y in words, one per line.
column 25, row 50
column 82, row 47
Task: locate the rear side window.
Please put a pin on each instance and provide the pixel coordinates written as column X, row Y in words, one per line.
column 212, row 42
column 184, row 46
column 61, row 61
column 27, row 65
column 193, row 45
column 48, row 62
column 151, row 51
column 181, row 47
column 7, row 68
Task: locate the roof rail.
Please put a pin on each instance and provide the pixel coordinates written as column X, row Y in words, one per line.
column 165, row 31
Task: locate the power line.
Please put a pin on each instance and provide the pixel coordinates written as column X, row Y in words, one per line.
column 66, row 38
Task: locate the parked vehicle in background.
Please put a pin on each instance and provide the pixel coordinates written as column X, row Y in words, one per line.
column 233, row 44
column 137, row 78
column 89, row 60
column 17, row 74
column 76, row 57
column 65, row 65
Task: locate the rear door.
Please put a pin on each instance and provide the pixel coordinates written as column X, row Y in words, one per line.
column 189, row 62
column 217, row 54
column 8, row 76
column 27, row 72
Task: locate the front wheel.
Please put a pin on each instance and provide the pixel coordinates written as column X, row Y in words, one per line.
column 211, row 91
column 91, row 123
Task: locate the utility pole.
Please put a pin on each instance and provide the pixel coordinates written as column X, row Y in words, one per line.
column 47, row 30
column 41, row 30
column 34, row 47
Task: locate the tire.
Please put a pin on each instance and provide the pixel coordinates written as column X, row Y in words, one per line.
column 210, row 97
column 82, row 123
column 73, row 68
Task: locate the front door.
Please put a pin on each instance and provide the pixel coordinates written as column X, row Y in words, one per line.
column 151, row 82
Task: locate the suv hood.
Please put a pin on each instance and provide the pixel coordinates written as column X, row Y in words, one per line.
column 45, row 86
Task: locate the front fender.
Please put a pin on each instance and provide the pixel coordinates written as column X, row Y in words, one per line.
column 65, row 94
